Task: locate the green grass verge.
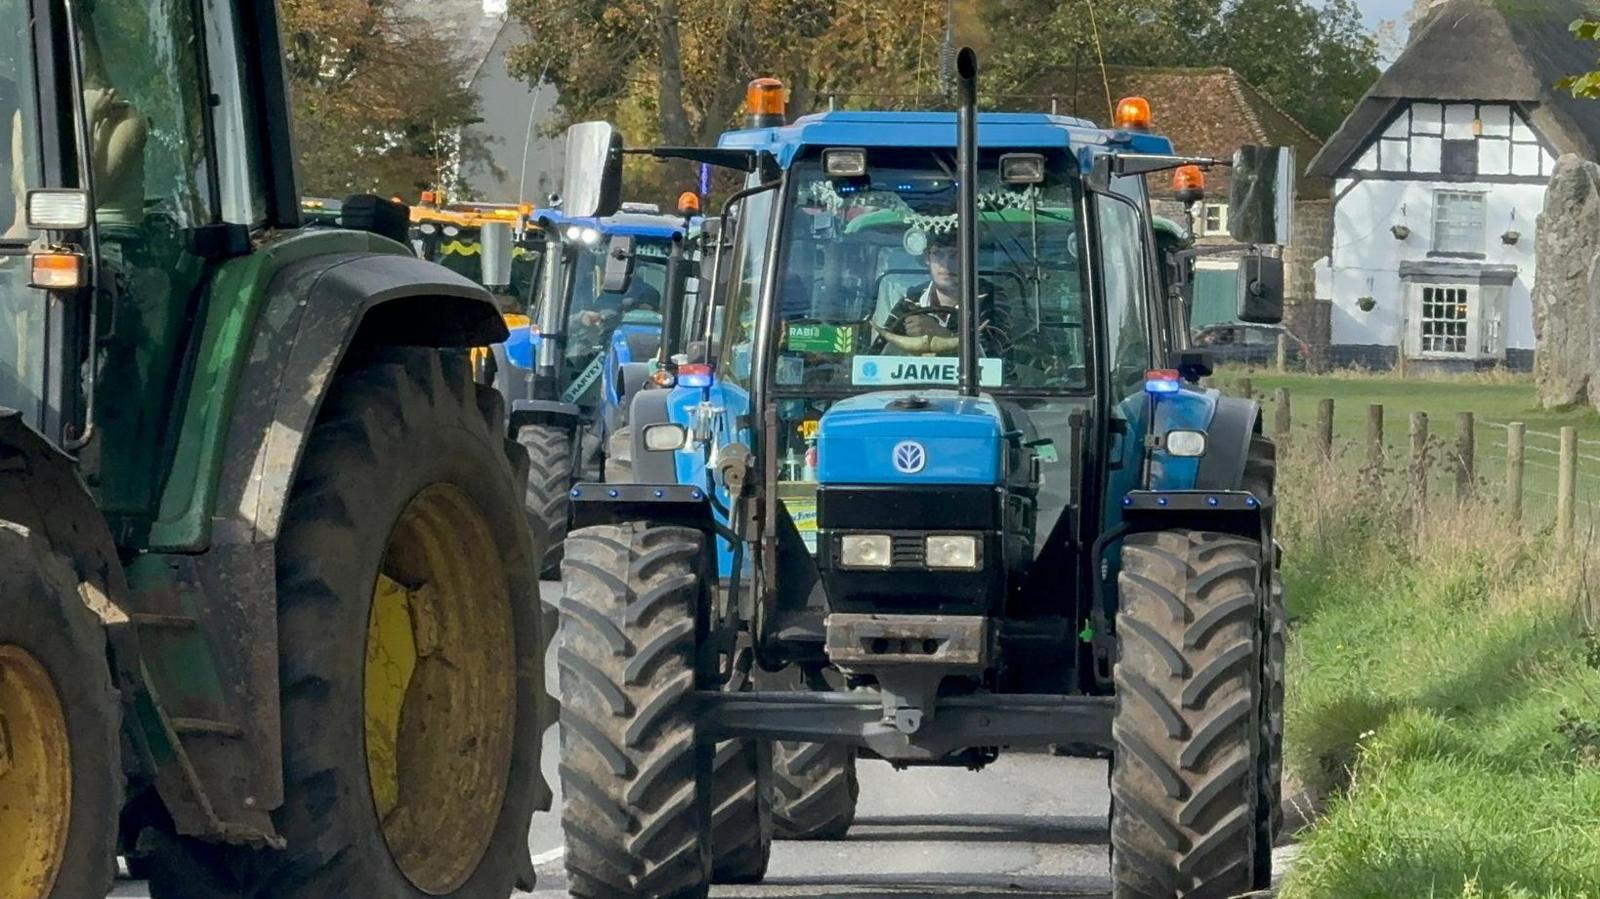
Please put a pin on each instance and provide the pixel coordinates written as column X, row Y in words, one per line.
column 1444, row 697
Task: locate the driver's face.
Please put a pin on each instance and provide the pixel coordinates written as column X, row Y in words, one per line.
column 944, row 267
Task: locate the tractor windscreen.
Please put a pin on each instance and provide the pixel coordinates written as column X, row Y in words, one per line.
column 596, row 317
column 870, row 285
column 22, row 308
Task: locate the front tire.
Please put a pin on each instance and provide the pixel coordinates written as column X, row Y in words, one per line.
column 410, row 644
column 637, row 785
column 549, row 451
column 1186, row 733
column 61, row 784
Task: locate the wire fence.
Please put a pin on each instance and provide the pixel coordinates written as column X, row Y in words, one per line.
column 1540, row 477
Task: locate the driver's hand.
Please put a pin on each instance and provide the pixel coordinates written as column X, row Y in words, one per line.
column 923, row 326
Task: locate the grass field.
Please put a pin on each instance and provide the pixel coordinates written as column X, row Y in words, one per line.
column 1444, row 697
column 1495, row 399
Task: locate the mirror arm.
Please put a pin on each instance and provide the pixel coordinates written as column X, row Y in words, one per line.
column 738, row 160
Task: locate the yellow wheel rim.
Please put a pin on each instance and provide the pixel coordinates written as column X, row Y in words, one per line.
column 440, row 689
column 35, row 777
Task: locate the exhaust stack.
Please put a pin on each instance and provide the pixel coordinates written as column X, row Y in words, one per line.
column 967, row 215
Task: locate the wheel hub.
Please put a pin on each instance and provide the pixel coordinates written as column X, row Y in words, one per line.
column 35, row 776
column 440, row 689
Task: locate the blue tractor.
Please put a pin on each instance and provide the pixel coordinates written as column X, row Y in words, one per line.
column 944, row 486
column 586, row 342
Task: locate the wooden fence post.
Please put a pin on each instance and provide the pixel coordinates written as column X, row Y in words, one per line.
column 1325, row 428
column 1566, row 486
column 1375, row 437
column 1283, row 353
column 1280, row 418
column 1246, row 389
column 1419, row 460
column 1515, row 434
column 1464, row 451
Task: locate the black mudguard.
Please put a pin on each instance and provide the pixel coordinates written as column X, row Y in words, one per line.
column 1235, row 422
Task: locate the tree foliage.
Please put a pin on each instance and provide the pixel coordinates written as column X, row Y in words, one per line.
column 676, row 70
column 1584, row 84
column 378, row 107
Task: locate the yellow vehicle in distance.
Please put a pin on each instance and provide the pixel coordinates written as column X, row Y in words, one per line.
column 452, row 234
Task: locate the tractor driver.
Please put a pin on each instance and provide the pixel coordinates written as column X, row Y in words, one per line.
column 926, row 320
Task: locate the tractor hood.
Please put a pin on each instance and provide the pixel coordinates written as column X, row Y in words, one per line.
column 911, row 437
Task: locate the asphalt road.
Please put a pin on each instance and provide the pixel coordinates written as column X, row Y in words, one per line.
column 1029, row 826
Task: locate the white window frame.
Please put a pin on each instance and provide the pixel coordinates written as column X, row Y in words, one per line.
column 1207, row 210
column 1444, row 321
column 1478, row 246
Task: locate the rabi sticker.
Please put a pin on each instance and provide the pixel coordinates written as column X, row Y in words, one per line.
column 887, row 371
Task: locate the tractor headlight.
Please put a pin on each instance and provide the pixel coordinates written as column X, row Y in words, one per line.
column 952, row 551
column 1186, row 443
column 865, row 551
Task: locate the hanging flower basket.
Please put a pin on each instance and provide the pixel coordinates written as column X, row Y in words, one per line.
column 1400, row 232
column 1366, row 304
column 1511, row 237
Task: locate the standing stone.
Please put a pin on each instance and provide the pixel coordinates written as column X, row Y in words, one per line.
column 1566, row 307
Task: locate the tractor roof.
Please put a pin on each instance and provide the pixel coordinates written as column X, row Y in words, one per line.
column 996, row 130
column 633, row 224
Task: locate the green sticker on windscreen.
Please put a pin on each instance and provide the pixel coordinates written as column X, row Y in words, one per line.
column 822, row 338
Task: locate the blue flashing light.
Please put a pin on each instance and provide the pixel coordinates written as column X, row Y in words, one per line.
column 1127, row 500
column 1211, row 500
column 1250, row 501
column 576, row 493
column 611, row 493
column 1161, row 500
column 695, row 375
column 694, row 494
column 1162, row 381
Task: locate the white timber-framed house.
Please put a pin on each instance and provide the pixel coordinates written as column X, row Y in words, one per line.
column 1439, row 176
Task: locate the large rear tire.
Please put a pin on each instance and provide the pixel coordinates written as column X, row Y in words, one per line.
column 814, row 790
column 741, row 811
column 1260, row 478
column 637, row 784
column 410, row 645
column 549, row 451
column 60, row 773
column 1186, row 733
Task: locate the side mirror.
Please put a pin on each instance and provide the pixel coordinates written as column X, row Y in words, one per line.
column 1192, row 365
column 1261, row 195
column 496, row 241
column 619, row 264
column 592, row 181
column 1261, row 289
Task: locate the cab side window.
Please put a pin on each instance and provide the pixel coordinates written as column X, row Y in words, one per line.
column 1126, row 295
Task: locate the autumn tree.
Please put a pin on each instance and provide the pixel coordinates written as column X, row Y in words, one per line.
column 378, row 107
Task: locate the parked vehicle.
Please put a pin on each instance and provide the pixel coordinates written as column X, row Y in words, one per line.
column 1247, row 343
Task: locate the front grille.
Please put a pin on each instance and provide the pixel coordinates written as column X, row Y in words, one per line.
column 908, row 549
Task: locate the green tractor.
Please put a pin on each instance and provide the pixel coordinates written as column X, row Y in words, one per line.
column 270, row 620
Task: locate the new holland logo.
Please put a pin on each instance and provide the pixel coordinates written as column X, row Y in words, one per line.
column 910, row 457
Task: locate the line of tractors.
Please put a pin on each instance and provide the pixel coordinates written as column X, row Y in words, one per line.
column 898, row 453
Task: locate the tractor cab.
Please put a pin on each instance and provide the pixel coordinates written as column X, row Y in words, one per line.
column 603, row 318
